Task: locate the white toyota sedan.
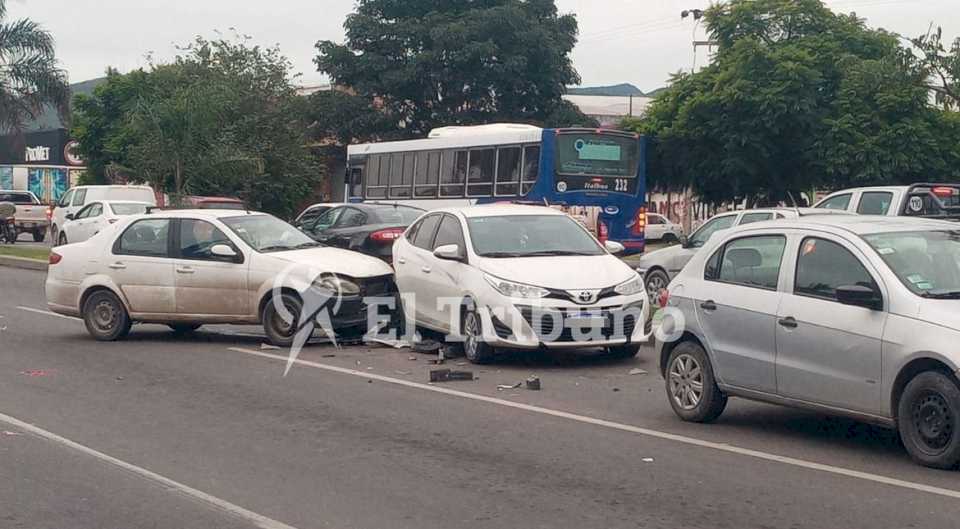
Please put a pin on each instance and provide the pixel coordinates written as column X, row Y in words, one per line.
column 518, row 277
column 192, row 267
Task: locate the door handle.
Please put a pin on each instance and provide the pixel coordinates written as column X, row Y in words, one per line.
column 401, row 260
column 117, row 266
column 426, row 270
column 184, row 270
column 789, row 322
column 708, row 305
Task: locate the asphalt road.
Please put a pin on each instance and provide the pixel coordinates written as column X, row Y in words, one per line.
column 205, row 431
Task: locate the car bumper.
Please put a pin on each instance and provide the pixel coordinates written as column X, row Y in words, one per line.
column 551, row 324
column 31, row 225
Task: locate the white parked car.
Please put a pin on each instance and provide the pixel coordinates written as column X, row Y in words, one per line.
column 95, row 216
column 936, row 201
column 662, row 229
column 187, row 268
column 76, row 198
column 518, row 277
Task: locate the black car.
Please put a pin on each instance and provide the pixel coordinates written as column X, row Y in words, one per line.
column 369, row 228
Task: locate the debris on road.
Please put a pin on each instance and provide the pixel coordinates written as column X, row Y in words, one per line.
column 446, row 375
column 412, row 358
column 329, row 356
column 36, row 372
column 268, row 347
column 396, row 344
column 533, row 383
column 502, row 387
column 427, row 346
column 647, row 460
column 637, row 371
column 616, row 390
column 11, row 434
column 452, row 350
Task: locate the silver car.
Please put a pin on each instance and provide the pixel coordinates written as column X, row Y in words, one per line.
column 850, row 315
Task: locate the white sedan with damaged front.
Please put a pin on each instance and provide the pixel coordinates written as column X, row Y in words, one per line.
column 190, row 268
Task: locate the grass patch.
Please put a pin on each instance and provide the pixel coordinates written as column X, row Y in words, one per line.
column 29, row 252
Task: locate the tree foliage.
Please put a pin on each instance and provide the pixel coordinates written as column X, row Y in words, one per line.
column 221, row 119
column 29, row 76
column 941, row 63
column 797, row 98
column 427, row 63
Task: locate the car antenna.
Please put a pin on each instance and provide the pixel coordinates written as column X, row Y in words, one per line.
column 794, row 203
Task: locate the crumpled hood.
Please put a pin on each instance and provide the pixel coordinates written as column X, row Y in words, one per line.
column 336, row 261
column 562, row 273
column 945, row 312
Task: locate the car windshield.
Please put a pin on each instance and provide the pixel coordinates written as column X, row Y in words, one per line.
column 530, row 236
column 928, row 262
column 398, row 215
column 266, row 233
column 126, row 208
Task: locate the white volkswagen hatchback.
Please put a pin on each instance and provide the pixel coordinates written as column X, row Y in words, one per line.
column 192, row 267
column 518, row 277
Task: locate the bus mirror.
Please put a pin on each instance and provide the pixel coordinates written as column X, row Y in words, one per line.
column 614, row 247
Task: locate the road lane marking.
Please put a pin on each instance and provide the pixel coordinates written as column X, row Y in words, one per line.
column 723, row 447
column 48, row 313
column 223, row 505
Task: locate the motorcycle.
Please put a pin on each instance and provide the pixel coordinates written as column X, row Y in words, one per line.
column 8, row 227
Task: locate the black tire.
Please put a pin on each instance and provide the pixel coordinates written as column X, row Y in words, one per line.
column 62, row 241
column 655, row 281
column 54, row 233
column 39, row 235
column 184, row 328
column 670, row 238
column 623, row 351
column 928, row 419
column 687, row 367
column 474, row 348
column 105, row 316
column 280, row 332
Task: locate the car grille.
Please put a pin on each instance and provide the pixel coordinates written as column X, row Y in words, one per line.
column 545, row 326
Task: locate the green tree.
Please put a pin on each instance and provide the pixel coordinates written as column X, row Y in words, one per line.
column 29, row 76
column 221, row 119
column 428, row 63
column 941, row 64
column 797, row 97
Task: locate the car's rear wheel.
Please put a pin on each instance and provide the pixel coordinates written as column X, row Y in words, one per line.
column 279, row 331
column 656, row 281
column 105, row 316
column 62, row 240
column 39, row 235
column 691, row 387
column 474, row 348
column 184, row 328
column 928, row 418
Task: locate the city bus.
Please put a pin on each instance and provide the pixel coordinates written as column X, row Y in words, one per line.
column 595, row 175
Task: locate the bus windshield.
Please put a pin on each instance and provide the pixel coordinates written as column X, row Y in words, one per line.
column 592, row 154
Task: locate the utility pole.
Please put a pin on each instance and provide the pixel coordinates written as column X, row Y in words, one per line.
column 697, row 15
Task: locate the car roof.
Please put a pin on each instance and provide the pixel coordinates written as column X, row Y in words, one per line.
column 858, row 224
column 501, row 210
column 869, row 188
column 381, row 205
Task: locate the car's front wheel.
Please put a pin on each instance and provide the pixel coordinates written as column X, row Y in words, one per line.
column 656, row 281
column 105, row 316
column 928, row 418
column 278, row 329
column 475, row 349
column 62, row 240
column 691, row 386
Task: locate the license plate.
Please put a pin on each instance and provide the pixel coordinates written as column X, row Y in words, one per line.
column 586, row 321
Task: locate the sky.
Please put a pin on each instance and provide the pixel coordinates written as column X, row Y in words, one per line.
column 621, row 41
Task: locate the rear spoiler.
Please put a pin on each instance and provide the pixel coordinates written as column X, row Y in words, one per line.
column 933, row 201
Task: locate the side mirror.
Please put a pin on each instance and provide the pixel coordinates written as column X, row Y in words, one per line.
column 223, row 250
column 614, row 247
column 860, row 296
column 448, row 252
column 69, row 216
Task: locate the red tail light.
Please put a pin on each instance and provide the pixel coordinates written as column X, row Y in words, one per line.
column 640, row 223
column 386, row 236
column 664, row 298
column 55, row 258
column 49, row 212
column 602, row 231
column 944, row 191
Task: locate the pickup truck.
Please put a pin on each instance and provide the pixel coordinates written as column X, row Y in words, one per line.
column 936, row 201
column 31, row 216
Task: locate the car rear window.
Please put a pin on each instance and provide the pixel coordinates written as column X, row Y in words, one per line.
column 135, row 194
column 19, row 199
column 398, row 215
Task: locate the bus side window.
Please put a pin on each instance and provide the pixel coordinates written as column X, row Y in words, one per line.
column 427, row 175
column 480, row 180
column 377, row 176
column 356, row 181
column 508, row 171
column 454, row 173
column 531, row 167
column 401, row 175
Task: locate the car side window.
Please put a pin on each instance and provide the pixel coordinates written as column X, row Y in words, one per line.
column 875, row 203
column 83, row 213
column 428, row 226
column 450, row 232
column 839, row 202
column 147, row 237
column 94, row 210
column 749, row 218
column 655, row 219
column 824, row 265
column 65, row 199
column 749, row 261
column 197, row 237
column 351, row 217
column 79, row 197
column 707, row 230
column 326, row 220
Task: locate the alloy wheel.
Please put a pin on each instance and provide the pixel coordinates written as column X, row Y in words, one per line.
column 686, row 382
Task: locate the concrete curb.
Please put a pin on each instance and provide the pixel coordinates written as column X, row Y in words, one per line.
column 22, row 262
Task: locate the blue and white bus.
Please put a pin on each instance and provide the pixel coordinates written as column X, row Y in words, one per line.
column 595, row 174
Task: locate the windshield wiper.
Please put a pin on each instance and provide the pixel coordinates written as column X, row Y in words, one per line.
column 503, row 254
column 311, row 244
column 547, row 253
column 276, row 248
column 955, row 294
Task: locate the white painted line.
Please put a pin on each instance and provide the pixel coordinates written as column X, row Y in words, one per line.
column 48, row 313
column 723, row 447
column 217, row 503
